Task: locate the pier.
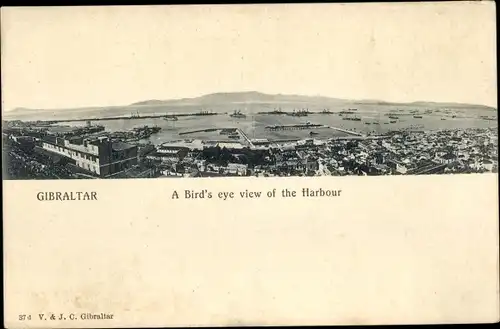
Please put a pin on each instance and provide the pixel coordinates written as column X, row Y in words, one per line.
column 295, row 127
column 247, row 140
column 245, row 137
column 348, row 131
column 209, row 130
column 132, row 117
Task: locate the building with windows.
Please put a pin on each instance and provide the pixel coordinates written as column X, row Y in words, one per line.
column 237, row 169
column 98, row 156
column 168, row 153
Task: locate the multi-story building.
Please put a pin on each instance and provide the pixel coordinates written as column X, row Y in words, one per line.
column 169, row 153
column 98, row 156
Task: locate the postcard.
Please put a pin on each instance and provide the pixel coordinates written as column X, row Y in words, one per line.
column 264, row 164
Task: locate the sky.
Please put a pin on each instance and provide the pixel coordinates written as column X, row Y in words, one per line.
column 106, row 56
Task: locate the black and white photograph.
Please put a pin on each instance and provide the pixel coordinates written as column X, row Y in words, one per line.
column 250, row 165
column 216, row 97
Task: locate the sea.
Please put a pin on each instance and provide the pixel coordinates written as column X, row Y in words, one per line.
column 254, row 124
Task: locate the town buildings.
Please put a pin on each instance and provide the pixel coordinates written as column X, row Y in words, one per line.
column 399, row 153
column 98, row 156
column 106, row 155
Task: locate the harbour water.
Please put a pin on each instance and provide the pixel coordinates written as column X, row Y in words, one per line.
column 254, row 126
column 374, row 119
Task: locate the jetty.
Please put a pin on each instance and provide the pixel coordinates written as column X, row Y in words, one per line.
column 350, row 132
column 133, row 117
column 208, row 130
column 295, row 127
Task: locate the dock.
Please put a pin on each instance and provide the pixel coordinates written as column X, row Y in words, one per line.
column 295, row 127
column 348, row 131
column 208, row 130
column 132, row 117
column 245, row 137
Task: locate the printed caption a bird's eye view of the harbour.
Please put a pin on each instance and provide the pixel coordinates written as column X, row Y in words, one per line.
column 250, row 134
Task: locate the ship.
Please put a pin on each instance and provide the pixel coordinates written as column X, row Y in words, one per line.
column 275, row 111
column 417, row 116
column 228, row 131
column 204, row 112
column 352, row 118
column 138, row 133
column 146, row 129
column 300, row 113
column 393, row 117
column 393, row 121
column 443, row 118
column 237, row 114
column 325, row 111
column 170, row 118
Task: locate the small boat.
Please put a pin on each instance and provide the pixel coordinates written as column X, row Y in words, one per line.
column 417, row 116
column 313, row 133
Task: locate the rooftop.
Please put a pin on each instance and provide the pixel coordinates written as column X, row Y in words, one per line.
column 121, row 146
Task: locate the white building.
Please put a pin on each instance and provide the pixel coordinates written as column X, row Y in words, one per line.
column 97, row 155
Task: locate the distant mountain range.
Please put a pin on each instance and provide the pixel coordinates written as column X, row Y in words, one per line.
column 257, row 97
column 22, row 110
column 241, row 97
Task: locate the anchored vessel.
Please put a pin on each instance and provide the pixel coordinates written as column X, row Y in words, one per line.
column 307, row 125
column 237, row 114
column 300, row 113
column 352, row 118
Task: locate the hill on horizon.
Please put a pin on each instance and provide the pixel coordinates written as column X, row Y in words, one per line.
column 254, row 97
column 258, row 97
column 240, row 97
